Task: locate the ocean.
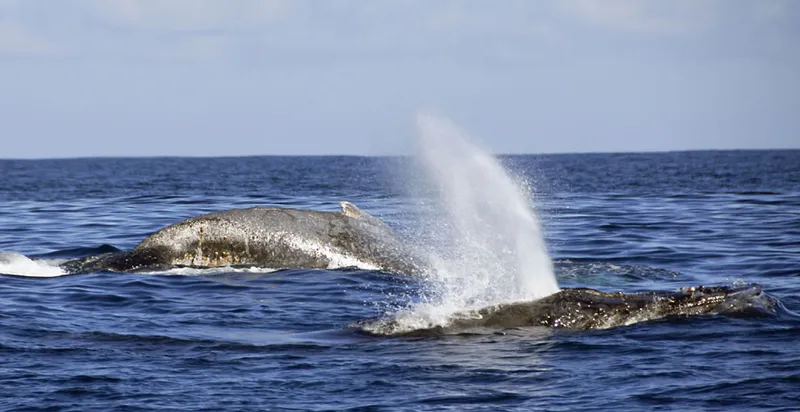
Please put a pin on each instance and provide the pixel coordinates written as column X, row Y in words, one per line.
column 250, row 339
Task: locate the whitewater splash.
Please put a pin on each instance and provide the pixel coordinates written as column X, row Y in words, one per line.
column 495, row 252
column 16, row 264
column 20, row 265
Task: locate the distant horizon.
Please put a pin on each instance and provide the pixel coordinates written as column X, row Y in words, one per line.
column 788, row 149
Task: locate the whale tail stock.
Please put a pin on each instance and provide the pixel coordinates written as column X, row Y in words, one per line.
column 121, row 261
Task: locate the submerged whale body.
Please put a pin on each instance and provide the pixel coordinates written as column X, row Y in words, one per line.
column 279, row 238
column 583, row 309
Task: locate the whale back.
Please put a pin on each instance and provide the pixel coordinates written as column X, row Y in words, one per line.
column 582, row 309
column 277, row 238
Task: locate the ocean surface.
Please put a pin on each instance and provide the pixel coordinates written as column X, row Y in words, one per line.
column 279, row 340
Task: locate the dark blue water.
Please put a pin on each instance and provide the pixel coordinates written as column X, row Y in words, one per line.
column 280, row 341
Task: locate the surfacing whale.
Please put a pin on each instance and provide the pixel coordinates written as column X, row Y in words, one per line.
column 279, row 238
column 583, row 309
column 283, row 238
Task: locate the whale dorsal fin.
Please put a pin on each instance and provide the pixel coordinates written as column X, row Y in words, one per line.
column 350, row 210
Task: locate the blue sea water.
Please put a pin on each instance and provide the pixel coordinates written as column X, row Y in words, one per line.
column 238, row 340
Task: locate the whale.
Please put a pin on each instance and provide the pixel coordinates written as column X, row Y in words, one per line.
column 286, row 238
column 277, row 238
column 586, row 309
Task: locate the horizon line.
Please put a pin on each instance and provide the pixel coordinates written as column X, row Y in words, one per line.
column 128, row 157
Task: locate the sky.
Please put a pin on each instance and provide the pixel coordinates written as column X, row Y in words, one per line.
column 85, row 78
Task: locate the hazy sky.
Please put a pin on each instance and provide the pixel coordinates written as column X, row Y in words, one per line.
column 249, row 77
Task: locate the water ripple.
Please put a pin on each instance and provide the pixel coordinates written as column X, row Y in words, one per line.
column 229, row 340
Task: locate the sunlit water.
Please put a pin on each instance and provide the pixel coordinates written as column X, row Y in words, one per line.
column 261, row 340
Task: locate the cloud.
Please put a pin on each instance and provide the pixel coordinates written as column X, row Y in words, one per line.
column 768, row 11
column 463, row 30
column 16, row 41
column 188, row 15
column 196, row 48
column 643, row 16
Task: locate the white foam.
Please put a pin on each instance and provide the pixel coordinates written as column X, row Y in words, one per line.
column 210, row 271
column 336, row 258
column 496, row 253
column 16, row 264
column 422, row 316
